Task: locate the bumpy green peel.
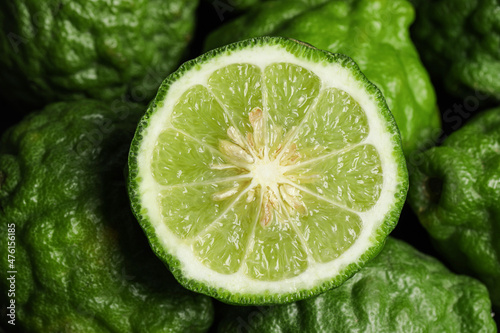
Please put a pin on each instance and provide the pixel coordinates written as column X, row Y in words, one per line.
column 67, row 50
column 455, row 192
column 401, row 290
column 459, row 40
column 83, row 264
column 374, row 33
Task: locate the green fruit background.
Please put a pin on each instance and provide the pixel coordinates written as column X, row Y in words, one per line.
column 83, row 264
column 373, row 301
column 461, row 96
column 68, row 50
column 460, row 49
column 455, row 195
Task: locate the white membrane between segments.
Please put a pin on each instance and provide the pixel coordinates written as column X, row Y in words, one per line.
column 332, row 75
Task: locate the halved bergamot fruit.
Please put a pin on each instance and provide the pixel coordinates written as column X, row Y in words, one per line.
column 267, row 171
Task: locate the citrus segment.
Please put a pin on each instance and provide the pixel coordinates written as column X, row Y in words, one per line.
column 238, row 88
column 267, row 171
column 199, row 114
column 187, row 218
column 178, row 158
column 222, row 246
column 277, row 252
column 336, row 122
column 328, row 230
column 351, row 178
column 290, row 91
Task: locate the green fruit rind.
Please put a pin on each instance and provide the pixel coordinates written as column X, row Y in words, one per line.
column 401, row 290
column 69, row 50
column 455, row 193
column 82, row 262
column 458, row 41
column 301, row 51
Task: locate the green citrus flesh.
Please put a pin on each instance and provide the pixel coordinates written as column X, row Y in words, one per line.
column 267, row 171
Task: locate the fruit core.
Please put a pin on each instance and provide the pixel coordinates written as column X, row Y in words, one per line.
column 269, row 168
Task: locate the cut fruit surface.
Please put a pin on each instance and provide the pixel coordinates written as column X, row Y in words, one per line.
column 267, row 171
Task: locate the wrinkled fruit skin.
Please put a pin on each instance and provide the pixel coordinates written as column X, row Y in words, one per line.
column 372, row 32
column 83, row 264
column 458, row 41
column 456, row 194
column 68, row 50
column 402, row 290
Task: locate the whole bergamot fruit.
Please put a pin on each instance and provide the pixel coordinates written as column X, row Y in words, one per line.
column 455, row 191
column 402, row 290
column 375, row 34
column 459, row 42
column 67, row 50
column 82, row 262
